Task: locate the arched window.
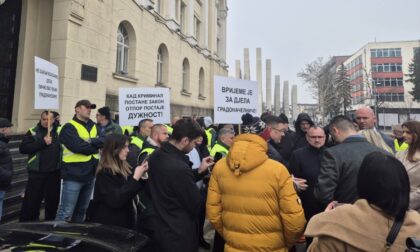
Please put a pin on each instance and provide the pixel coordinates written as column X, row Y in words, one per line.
column 123, row 45
column 185, row 75
column 201, row 83
column 162, row 66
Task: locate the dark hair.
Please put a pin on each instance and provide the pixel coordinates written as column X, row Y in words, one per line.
column 200, row 121
column 414, row 128
column 186, row 127
column 342, row 123
column 383, row 182
column 110, row 160
column 270, row 120
column 143, row 121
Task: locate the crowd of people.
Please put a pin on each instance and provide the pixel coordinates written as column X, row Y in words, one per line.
column 263, row 187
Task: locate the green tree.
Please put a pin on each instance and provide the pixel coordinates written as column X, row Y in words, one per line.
column 343, row 88
column 414, row 75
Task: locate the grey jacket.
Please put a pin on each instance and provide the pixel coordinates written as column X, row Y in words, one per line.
column 340, row 165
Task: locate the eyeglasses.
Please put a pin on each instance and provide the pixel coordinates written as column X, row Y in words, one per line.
column 316, row 137
column 279, row 130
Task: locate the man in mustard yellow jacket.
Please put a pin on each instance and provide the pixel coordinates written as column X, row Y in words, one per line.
column 251, row 199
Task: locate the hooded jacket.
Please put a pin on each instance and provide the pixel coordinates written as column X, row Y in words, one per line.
column 251, row 200
column 300, row 139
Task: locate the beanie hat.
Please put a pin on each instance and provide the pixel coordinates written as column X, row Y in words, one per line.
column 105, row 111
column 252, row 125
column 208, row 121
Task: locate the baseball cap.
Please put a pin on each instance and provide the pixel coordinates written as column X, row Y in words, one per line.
column 85, row 103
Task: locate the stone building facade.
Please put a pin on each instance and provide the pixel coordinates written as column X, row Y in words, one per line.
column 102, row 45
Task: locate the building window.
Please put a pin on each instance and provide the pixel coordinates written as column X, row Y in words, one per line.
column 201, row 82
column 123, row 43
column 185, row 75
column 387, row 67
column 388, row 82
column 162, row 66
column 385, row 53
column 197, row 29
column 390, row 97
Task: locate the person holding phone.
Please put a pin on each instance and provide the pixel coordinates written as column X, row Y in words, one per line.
column 116, row 184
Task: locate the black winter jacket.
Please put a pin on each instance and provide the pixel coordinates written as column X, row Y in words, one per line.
column 50, row 155
column 6, row 164
column 113, row 199
column 176, row 200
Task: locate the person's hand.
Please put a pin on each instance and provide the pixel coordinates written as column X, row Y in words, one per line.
column 141, row 171
column 331, row 206
column 300, row 183
column 48, row 140
column 205, row 163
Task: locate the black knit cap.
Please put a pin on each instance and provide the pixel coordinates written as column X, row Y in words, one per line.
column 252, row 124
column 105, row 111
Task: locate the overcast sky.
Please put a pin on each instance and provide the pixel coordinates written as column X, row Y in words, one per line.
column 293, row 33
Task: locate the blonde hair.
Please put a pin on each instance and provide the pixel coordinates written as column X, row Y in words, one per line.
column 110, row 160
column 375, row 138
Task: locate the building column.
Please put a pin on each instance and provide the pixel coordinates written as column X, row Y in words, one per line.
column 238, row 73
column 246, row 64
column 259, row 80
column 295, row 111
column 277, row 95
column 268, row 84
column 286, row 105
column 206, row 24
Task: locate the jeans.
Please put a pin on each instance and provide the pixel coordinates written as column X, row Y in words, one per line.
column 1, row 202
column 75, row 197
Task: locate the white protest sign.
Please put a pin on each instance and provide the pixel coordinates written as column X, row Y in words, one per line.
column 233, row 98
column 46, row 85
column 136, row 104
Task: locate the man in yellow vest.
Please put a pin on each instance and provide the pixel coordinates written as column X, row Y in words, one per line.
column 44, row 161
column 137, row 140
column 399, row 144
column 224, row 141
column 80, row 142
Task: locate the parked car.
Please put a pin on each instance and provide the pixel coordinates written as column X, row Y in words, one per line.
column 63, row 236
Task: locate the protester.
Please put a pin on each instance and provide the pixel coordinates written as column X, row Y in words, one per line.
column 224, row 141
column 44, row 161
column 411, row 160
column 251, row 200
column 6, row 164
column 341, row 163
column 105, row 124
column 382, row 210
column 305, row 166
column 286, row 146
column 399, row 144
column 373, row 137
column 276, row 128
column 366, row 119
column 137, row 140
column 116, row 184
column 175, row 196
column 302, row 124
column 210, row 132
column 81, row 144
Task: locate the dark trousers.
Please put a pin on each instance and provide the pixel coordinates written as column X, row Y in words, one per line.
column 219, row 243
column 41, row 186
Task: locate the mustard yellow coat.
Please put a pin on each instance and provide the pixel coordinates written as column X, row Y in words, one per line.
column 251, row 200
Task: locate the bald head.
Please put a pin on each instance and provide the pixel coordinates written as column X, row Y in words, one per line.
column 365, row 118
column 316, row 137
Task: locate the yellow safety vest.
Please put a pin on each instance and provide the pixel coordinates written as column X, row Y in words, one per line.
column 129, row 129
column 137, row 141
column 69, row 156
column 209, row 138
column 147, row 150
column 219, row 148
column 401, row 147
column 170, row 129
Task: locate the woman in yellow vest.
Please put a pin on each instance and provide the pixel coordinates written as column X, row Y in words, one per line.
column 399, row 143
